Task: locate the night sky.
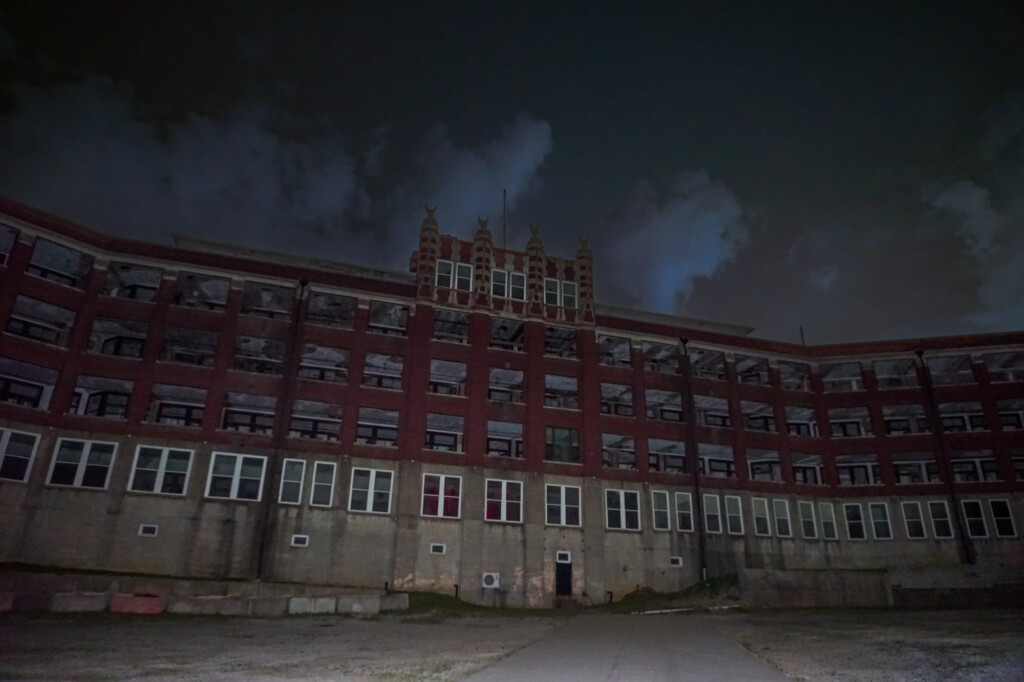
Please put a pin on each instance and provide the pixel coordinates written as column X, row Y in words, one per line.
column 855, row 168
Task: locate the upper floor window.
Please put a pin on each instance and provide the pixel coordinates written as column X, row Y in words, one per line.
column 560, row 341
column 561, row 444
column 101, row 397
column 383, row 371
column 617, row 399
column 267, row 300
column 551, row 291
column 505, row 439
column 177, row 405
column 794, row 376
column 668, row 456
column 377, row 427
column 323, row 363
column 190, row 346
column 569, row 297
column 315, row 420
column 506, row 284
column 444, row 432
column 26, row 385
column 202, row 291
column 709, row 364
column 660, row 357
column 249, row 413
column 751, row 370
column 388, row 318
column 613, row 351
column 841, row 377
column 454, row 275
column 59, row 263
column 505, row 385
column 447, row 377
column 124, row 338
column 127, row 280
column 8, row 235
column 255, row 354
column 451, row 325
column 618, row 451
column 1005, row 366
column 716, row 460
column 895, row 373
column 332, row 309
column 507, row 334
column 40, row 321
column 952, row 369
column 560, row 292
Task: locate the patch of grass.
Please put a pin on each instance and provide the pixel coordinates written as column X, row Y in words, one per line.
column 431, row 607
column 646, row 599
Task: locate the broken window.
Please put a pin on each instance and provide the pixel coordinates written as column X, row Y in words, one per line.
column 377, row 427
column 952, row 369
column 26, row 385
column 794, row 376
column 807, row 468
column 915, row 467
column 8, row 236
column 508, row 334
column 255, row 354
column 660, row 357
column 101, row 397
column 323, row 363
column 974, row 466
column 505, row 385
column 617, row 399
column 896, row 373
column 333, row 310
column 618, row 451
column 560, row 391
column 505, row 439
column 82, row 463
column 716, row 460
column 561, row 444
column 904, row 419
column 17, row 448
column 59, row 263
column 127, row 280
column 124, row 338
column 190, row 346
column 560, row 341
column 388, row 318
column 751, row 370
column 202, row 291
column 503, row 501
column 613, row 351
column 317, row 421
column 858, row 469
column 177, row 405
column 708, row 364
column 764, row 465
column 961, row 417
column 40, row 321
column 451, row 325
column 249, row 413
column 444, row 432
column 841, row 377
column 447, row 377
column 849, row 422
column 666, row 456
column 1011, row 414
column 712, row 411
column 383, row 371
column 267, row 300
column 800, row 421
column 1007, row 366
column 757, row 416
column 664, row 405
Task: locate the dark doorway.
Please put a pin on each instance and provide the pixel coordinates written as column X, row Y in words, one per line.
column 563, row 580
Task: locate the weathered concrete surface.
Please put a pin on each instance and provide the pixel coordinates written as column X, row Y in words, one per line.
column 396, row 601
column 795, row 588
column 77, row 602
column 131, row 603
column 307, row 605
column 6, row 601
column 219, row 606
column 361, row 604
column 267, row 607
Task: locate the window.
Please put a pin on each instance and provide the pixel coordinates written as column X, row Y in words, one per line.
column 762, row 522
column 712, row 411
column 807, row 525
column 383, row 371
column 332, row 309
column 316, row 421
column 503, row 501
column 880, row 520
column 912, row 467
column 8, row 236
column 322, row 494
column 377, row 427
column 444, row 433
column 733, row 515
column 807, row 468
column 507, row 334
column 517, row 285
column 201, row 291
column 561, row 391
column 751, row 370
column 828, row 521
column 561, row 444
column 659, row 510
column 445, row 270
column 388, row 318
column 82, row 463
column 716, row 460
column 505, row 439
column 551, row 291
column 463, row 276
column 236, row 477
column 684, row 512
column 707, row 364
column 370, row 491
column 895, row 373
column 190, row 347
column 913, row 520
column 975, row 516
column 617, row 399
column 499, row 283
column 160, row 470
column 562, row 505
column 1003, row 518
column 259, row 355
column 853, row 470
column 841, row 377
column 249, row 413
column 782, row 525
column 40, row 321
column 123, row 338
column 178, row 414
column 614, row 351
column 267, row 300
column 560, row 342
column 622, row 509
column 849, row 422
column 757, row 416
column 764, row 465
column 17, row 449
column 447, row 378
column 451, row 325
column 442, row 496
column 292, row 477
column 25, row 393
column 323, row 363
column 569, row 294
column 712, row 514
column 854, row 521
column 59, row 263
column 618, row 451
column 667, row 456
column 663, row 405
column 126, row 280
column 941, row 525
column 794, row 376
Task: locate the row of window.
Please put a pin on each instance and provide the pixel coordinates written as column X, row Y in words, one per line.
column 505, row 284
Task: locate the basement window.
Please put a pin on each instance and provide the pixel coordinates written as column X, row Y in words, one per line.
column 299, row 540
column 148, row 530
column 177, row 405
column 267, row 300
column 505, row 439
column 40, row 321
column 507, row 334
column 127, row 280
column 59, row 263
column 190, row 347
column 333, row 310
column 618, row 451
column 437, row 548
column 202, row 291
column 247, row 413
column 666, row 456
column 613, row 351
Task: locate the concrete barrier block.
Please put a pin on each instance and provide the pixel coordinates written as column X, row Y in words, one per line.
column 77, row 602
column 359, row 603
column 266, row 607
column 207, row 605
column 324, row 604
column 31, row 601
column 238, row 588
column 156, row 587
column 6, row 601
column 297, row 605
column 130, row 603
column 397, row 601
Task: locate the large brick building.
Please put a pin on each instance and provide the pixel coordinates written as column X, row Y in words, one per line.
column 477, row 425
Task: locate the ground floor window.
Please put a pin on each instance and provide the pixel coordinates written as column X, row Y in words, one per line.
column 442, row 496
column 370, row 491
column 160, row 470
column 880, row 520
column 913, row 520
column 659, row 510
column 827, row 514
column 807, row 525
column 17, row 449
column 622, row 509
column 941, row 525
column 504, row 501
column 292, row 476
column 82, row 463
column 975, row 516
column 684, row 512
column 712, row 514
column 562, row 504
column 236, row 477
column 733, row 515
column 762, row 522
column 783, row 528
column 322, row 493
column 1003, row 518
column 854, row 521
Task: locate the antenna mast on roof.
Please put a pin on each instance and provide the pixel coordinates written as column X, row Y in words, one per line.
column 504, row 246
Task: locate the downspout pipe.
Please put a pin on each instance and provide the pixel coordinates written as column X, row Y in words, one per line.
column 686, row 370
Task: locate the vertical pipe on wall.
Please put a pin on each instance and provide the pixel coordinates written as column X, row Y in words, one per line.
column 686, row 372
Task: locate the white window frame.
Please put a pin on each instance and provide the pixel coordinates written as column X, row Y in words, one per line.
column 504, row 283
column 516, row 281
column 968, row 518
column 863, row 523
column 463, row 271
column 557, row 291
column 664, row 508
column 761, row 512
column 708, row 515
column 783, row 504
column 913, row 504
column 688, row 512
column 450, row 275
column 301, row 481
column 442, row 479
column 802, row 507
column 1008, row 516
column 83, row 461
column 504, row 502
column 563, row 505
column 827, row 520
column 236, row 476
column 622, row 496
column 888, row 522
column 158, row 483
column 371, row 489
column 734, row 513
column 313, row 484
column 5, row 439
column 932, row 505
column 570, row 300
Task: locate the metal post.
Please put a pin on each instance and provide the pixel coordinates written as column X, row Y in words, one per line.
column 691, row 447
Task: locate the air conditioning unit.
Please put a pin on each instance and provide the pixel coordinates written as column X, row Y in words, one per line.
column 490, row 580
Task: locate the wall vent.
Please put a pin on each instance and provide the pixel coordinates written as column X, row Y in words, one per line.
column 300, row 541
column 675, row 561
column 148, row 530
column 437, row 548
column 563, row 557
